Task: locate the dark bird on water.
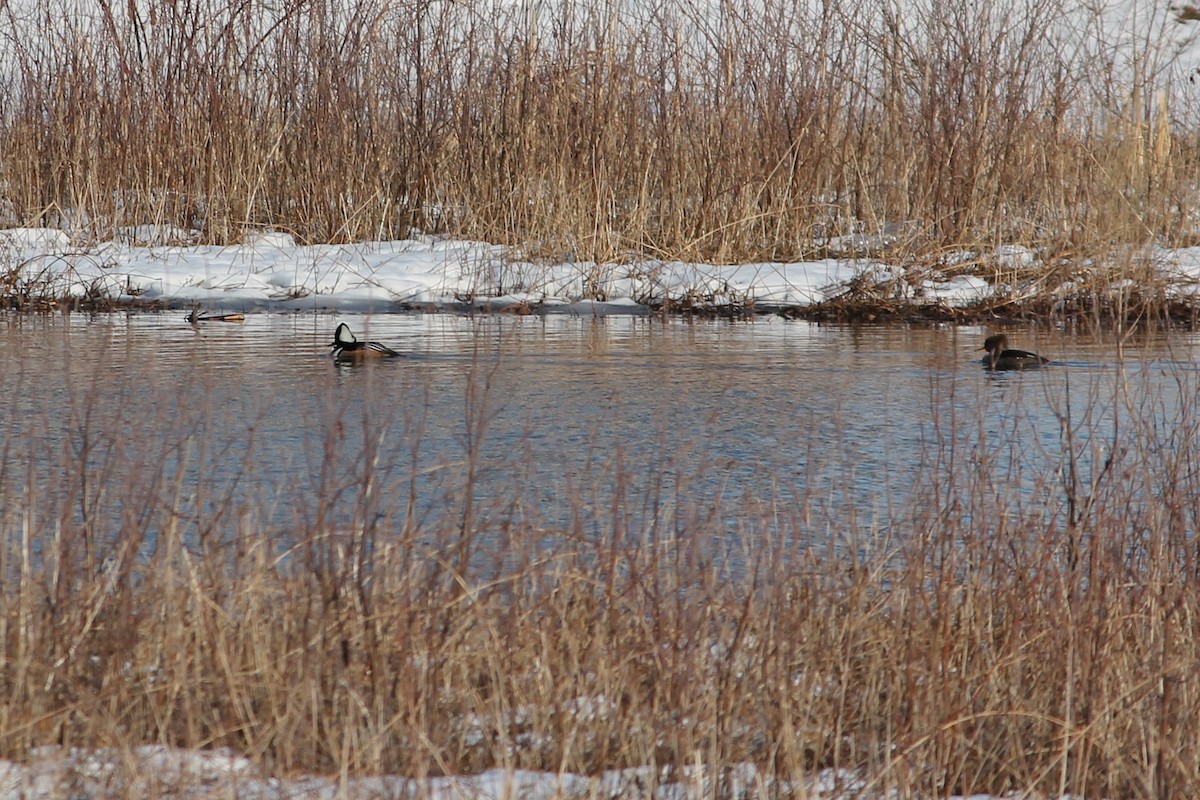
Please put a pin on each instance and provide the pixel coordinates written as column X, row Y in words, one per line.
column 999, row 356
column 197, row 316
column 347, row 347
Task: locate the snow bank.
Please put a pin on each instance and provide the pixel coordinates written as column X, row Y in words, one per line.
column 153, row 772
column 270, row 270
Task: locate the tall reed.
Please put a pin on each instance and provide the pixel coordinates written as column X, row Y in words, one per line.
column 1021, row 619
column 597, row 131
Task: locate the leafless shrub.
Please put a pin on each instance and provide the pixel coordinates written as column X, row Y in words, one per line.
column 1023, row 621
column 668, row 130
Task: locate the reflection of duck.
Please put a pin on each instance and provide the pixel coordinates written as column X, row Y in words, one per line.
column 347, row 347
column 1000, row 357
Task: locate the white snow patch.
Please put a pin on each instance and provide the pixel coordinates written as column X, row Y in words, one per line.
column 268, row 240
column 961, row 290
column 21, row 243
column 155, row 771
column 1014, row 256
column 268, row 270
column 148, row 235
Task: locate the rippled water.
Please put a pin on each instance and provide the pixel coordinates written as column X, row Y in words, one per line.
column 555, row 422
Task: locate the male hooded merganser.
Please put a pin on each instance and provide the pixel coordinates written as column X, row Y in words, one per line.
column 1000, row 357
column 347, row 347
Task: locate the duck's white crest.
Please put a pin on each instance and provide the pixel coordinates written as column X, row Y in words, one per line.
column 343, row 336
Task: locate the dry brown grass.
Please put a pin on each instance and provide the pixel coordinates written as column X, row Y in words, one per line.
column 597, row 131
column 1009, row 627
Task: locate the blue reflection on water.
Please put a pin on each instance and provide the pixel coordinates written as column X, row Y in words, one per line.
column 606, row 427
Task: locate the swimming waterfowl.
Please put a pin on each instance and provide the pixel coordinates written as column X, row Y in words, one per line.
column 1000, row 357
column 347, row 347
column 197, row 316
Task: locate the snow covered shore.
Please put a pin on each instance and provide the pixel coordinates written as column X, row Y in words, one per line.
column 151, row 772
column 270, row 271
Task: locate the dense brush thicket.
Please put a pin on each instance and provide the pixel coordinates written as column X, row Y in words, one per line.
column 709, row 131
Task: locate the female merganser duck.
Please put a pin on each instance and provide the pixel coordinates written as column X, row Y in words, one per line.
column 1000, row 357
column 347, row 347
column 198, row 316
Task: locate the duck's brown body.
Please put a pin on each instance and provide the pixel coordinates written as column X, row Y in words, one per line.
column 1000, row 356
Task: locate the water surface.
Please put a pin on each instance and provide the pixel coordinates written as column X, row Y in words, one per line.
column 632, row 425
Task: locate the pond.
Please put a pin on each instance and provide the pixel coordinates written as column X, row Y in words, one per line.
column 620, row 426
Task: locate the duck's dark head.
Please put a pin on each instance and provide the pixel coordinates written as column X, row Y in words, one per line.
column 996, row 343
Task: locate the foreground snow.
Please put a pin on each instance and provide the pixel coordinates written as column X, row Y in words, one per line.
column 151, row 772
